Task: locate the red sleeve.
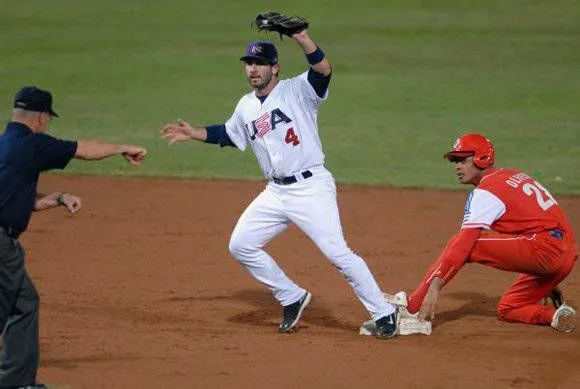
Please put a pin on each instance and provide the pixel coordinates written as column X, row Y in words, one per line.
column 456, row 253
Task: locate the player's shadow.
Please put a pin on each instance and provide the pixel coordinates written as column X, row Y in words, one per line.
column 476, row 304
column 268, row 312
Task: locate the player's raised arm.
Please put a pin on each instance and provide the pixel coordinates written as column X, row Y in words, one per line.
column 316, row 57
column 296, row 27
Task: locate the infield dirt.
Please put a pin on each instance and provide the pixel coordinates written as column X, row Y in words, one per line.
column 138, row 290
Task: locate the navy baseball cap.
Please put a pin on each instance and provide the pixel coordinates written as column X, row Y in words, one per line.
column 34, row 99
column 262, row 51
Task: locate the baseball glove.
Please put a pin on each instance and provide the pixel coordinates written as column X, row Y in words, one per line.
column 282, row 24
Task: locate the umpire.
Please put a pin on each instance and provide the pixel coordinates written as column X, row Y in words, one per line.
column 25, row 151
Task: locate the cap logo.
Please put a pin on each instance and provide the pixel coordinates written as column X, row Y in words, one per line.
column 457, row 144
column 256, row 49
column 21, row 104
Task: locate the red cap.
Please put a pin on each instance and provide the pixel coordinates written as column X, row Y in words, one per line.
column 473, row 145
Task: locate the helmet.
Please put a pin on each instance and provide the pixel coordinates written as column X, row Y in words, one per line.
column 473, row 145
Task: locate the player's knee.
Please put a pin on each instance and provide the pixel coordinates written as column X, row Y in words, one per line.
column 235, row 246
column 503, row 311
column 239, row 248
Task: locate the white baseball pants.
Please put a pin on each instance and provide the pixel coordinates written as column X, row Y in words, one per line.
column 311, row 205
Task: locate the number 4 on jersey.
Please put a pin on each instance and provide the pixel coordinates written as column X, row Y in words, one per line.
column 291, row 137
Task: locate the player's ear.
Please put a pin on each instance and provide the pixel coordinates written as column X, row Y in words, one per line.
column 38, row 118
column 276, row 70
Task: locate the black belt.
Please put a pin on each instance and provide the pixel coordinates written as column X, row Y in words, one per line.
column 10, row 232
column 291, row 179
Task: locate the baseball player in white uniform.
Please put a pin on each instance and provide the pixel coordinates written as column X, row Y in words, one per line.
column 278, row 121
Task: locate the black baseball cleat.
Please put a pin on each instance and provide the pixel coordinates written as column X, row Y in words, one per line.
column 293, row 312
column 388, row 326
column 556, row 298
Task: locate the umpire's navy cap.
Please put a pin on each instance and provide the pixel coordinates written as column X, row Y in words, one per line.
column 262, row 51
column 34, row 99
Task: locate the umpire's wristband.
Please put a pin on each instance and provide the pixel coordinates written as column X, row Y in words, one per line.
column 315, row 57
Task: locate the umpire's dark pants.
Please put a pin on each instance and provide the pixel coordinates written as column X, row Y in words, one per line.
column 19, row 303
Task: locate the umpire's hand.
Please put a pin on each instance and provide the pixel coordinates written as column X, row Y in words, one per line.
column 71, row 202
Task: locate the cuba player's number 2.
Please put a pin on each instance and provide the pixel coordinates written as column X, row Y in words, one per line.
column 543, row 197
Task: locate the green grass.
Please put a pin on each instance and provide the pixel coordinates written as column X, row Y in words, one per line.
column 409, row 77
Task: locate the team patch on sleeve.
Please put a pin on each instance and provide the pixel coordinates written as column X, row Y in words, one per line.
column 467, row 210
column 482, row 209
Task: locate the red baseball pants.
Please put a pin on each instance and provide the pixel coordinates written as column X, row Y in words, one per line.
column 544, row 259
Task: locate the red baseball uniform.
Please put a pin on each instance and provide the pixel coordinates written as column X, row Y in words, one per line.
column 531, row 235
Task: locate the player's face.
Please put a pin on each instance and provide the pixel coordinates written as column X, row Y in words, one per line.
column 466, row 171
column 259, row 73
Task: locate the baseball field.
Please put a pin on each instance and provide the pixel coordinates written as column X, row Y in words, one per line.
column 138, row 289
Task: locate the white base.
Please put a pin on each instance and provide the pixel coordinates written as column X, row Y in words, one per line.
column 407, row 326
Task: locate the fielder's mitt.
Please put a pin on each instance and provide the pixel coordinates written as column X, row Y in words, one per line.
column 282, row 24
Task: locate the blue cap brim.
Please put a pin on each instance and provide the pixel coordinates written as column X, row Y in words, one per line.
column 247, row 57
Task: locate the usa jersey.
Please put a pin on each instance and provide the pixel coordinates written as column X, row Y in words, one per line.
column 509, row 201
column 283, row 131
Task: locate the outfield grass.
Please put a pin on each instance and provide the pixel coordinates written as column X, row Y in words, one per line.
column 409, row 77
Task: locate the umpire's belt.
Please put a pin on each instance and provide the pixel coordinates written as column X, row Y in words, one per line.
column 291, row 179
column 10, row 232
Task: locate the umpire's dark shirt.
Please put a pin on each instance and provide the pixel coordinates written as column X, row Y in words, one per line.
column 23, row 155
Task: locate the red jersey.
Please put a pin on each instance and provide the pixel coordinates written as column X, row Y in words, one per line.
column 533, row 237
column 510, row 201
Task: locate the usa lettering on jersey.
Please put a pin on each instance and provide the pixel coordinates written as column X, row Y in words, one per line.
column 282, row 130
column 266, row 123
